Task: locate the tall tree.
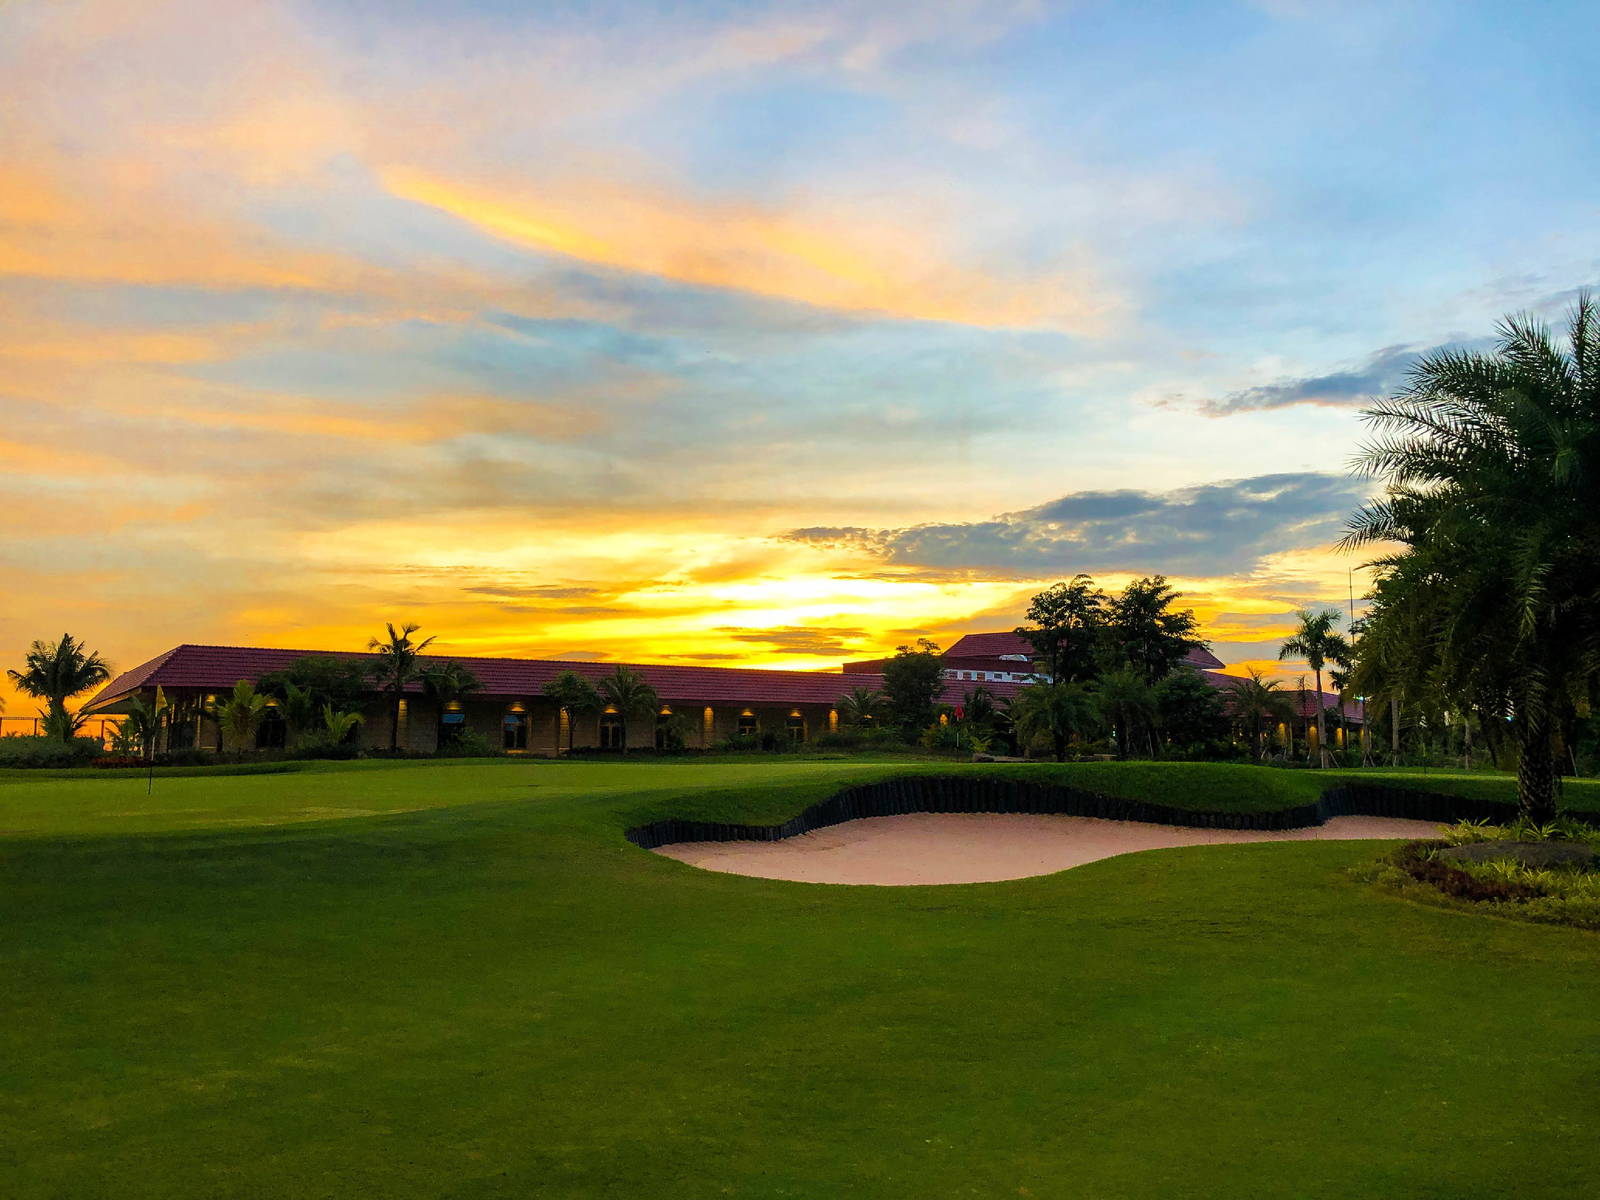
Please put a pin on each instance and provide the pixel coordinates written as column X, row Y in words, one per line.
column 1146, row 632
column 54, row 673
column 397, row 669
column 1492, row 464
column 1066, row 624
column 1127, row 703
column 1317, row 640
column 630, row 694
column 912, row 680
column 1058, row 711
column 1189, row 710
column 576, row 696
column 1257, row 703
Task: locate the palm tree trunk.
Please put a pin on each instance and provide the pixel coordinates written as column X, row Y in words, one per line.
column 394, row 725
column 1322, row 734
column 1394, row 731
column 1536, row 777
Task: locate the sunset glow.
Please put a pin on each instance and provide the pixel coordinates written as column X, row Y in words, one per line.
column 773, row 336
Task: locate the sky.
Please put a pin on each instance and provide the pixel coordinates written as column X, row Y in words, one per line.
column 738, row 334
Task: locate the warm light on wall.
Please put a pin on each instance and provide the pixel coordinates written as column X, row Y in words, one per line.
column 833, row 720
column 611, row 708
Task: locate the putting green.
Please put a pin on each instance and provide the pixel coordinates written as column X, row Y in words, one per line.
column 470, row 985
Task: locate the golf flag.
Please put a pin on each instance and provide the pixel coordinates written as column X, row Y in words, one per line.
column 161, row 700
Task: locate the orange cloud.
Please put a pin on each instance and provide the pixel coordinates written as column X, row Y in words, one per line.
column 828, row 263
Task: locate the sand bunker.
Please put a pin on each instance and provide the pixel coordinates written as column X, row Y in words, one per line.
column 985, row 847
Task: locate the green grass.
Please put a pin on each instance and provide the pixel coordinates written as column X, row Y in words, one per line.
column 457, row 980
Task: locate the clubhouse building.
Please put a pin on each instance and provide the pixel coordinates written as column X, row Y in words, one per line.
column 702, row 706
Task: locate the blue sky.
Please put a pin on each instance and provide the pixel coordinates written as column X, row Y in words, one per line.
column 317, row 314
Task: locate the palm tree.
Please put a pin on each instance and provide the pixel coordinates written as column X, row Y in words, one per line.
column 861, row 706
column 1058, row 710
column 239, row 716
column 138, row 728
column 397, row 669
column 1127, row 702
column 576, row 696
column 446, row 684
column 626, row 691
column 300, row 710
column 1492, row 465
column 1256, row 703
column 56, row 673
column 339, row 724
column 1318, row 642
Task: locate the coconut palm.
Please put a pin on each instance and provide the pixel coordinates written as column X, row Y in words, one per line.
column 1056, row 710
column 1257, row 703
column 861, row 706
column 397, row 669
column 239, row 715
column 55, row 673
column 1492, row 464
column 574, row 694
column 1317, row 640
column 627, row 691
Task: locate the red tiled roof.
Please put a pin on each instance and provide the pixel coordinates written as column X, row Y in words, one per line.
column 993, row 645
column 220, row 667
column 990, row 645
column 1305, row 703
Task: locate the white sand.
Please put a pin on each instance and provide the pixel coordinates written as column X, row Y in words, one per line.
column 984, row 847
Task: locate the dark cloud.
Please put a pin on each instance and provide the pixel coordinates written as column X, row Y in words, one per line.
column 1214, row 529
column 1380, row 374
column 1383, row 371
column 796, row 639
column 540, row 592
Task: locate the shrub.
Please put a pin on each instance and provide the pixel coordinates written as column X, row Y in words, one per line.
column 118, row 760
column 324, row 748
column 1420, row 861
column 469, row 743
column 31, row 751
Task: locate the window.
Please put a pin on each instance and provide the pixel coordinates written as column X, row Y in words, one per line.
column 452, row 723
column 796, row 727
column 747, row 724
column 515, row 731
column 610, row 731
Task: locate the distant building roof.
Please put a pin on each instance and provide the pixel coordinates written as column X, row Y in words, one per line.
column 993, row 645
column 989, row 645
column 1304, row 702
column 220, row 667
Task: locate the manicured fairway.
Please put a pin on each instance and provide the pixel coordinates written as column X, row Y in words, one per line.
column 458, row 980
